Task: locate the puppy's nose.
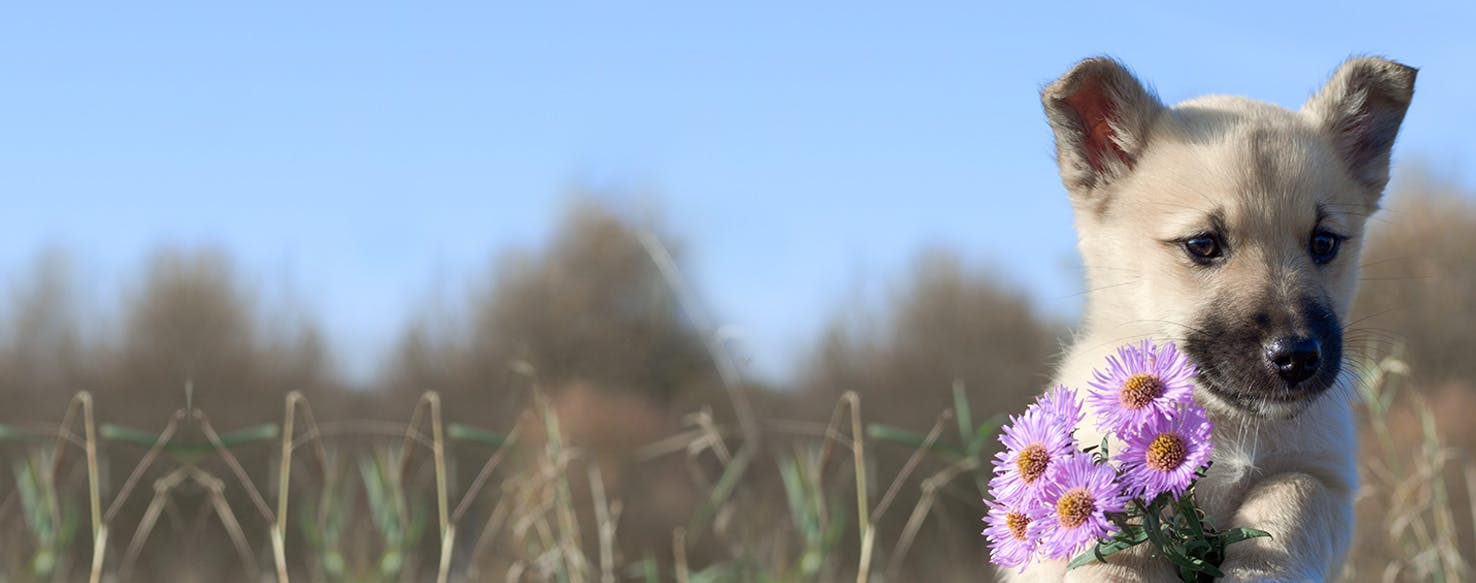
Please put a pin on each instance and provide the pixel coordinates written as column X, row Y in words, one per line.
column 1295, row 358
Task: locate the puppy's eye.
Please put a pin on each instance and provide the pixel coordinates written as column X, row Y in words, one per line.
column 1324, row 246
column 1203, row 248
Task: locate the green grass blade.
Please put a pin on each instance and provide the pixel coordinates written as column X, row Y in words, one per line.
column 254, row 433
column 792, row 476
column 720, row 493
column 913, row 440
column 10, row 433
column 462, row 432
column 985, row 432
column 962, row 413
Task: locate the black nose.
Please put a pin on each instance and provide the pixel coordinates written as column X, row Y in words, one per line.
column 1295, row 359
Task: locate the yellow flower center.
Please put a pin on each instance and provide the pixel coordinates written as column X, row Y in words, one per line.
column 1139, row 390
column 1032, row 462
column 1075, row 507
column 1017, row 522
column 1166, row 452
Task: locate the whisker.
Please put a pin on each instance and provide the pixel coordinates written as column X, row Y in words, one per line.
column 1092, row 290
column 1349, row 325
column 1397, row 278
column 1384, row 260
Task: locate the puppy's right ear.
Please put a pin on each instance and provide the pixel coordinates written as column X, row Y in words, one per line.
column 1101, row 115
column 1361, row 107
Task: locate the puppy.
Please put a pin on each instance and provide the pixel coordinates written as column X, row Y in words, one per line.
column 1232, row 227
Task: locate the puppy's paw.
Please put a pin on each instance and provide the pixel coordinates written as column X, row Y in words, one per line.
column 1124, row 569
column 1236, row 574
column 1262, row 559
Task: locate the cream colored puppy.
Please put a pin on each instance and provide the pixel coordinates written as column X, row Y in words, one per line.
column 1232, row 228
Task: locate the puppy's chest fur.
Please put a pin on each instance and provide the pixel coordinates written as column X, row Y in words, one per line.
column 1320, row 441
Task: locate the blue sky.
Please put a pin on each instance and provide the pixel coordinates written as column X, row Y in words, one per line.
column 365, row 156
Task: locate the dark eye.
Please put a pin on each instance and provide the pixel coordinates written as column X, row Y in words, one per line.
column 1324, row 246
column 1203, row 248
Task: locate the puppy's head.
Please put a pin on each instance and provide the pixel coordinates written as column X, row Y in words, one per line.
column 1228, row 225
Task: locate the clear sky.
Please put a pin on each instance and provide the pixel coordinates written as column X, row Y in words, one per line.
column 365, row 155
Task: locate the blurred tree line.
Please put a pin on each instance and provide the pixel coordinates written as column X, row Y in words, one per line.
column 594, row 322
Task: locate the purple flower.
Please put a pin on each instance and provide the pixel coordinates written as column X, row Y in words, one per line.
column 1163, row 456
column 1142, row 383
column 1010, row 544
column 1061, row 404
column 1034, row 441
column 1072, row 510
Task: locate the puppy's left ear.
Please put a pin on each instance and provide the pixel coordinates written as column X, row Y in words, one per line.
column 1101, row 116
column 1361, row 108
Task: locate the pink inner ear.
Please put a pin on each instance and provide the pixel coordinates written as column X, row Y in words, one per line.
column 1091, row 104
column 1369, row 133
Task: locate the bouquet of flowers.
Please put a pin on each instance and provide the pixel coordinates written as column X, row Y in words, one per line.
column 1054, row 499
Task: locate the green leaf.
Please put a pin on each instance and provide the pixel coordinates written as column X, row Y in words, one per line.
column 1190, row 512
column 1123, row 519
column 1236, row 535
column 1196, row 565
column 1087, row 558
column 1123, row 540
column 1153, row 528
column 1197, row 548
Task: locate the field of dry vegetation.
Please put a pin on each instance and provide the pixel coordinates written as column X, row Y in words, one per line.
column 577, row 417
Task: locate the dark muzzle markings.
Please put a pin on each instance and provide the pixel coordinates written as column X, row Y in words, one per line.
column 1281, row 353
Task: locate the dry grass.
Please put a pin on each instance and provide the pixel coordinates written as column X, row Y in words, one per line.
column 1409, row 530
column 365, row 496
column 547, row 518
